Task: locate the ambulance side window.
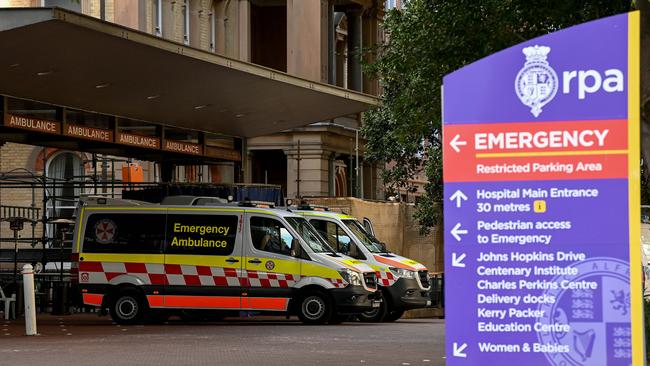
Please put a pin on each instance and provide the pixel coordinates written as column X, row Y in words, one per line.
column 201, row 234
column 335, row 236
column 124, row 233
column 270, row 235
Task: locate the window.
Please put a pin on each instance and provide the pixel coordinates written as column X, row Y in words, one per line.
column 185, row 9
column 201, row 234
column 213, row 29
column 308, row 234
column 369, row 241
column 157, row 18
column 271, row 236
column 124, row 233
column 66, row 4
column 367, row 224
column 337, row 238
column 64, row 168
column 391, row 4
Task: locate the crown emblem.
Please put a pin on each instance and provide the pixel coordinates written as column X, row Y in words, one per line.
column 536, row 53
column 537, row 82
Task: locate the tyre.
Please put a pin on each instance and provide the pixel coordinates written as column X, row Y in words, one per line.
column 393, row 315
column 128, row 307
column 376, row 314
column 315, row 308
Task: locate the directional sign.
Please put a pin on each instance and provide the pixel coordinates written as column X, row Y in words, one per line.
column 458, row 196
column 541, row 173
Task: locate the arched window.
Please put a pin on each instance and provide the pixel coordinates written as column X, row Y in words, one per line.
column 64, row 169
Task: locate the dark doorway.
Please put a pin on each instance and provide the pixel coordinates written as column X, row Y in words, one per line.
column 269, row 34
column 270, row 167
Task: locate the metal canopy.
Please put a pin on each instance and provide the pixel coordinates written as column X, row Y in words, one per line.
column 68, row 59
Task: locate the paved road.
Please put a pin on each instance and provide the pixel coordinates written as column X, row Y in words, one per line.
column 90, row 340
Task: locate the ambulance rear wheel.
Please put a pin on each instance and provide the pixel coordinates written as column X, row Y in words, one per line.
column 128, row 307
column 315, row 308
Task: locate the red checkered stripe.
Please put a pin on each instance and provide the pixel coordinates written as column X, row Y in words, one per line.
column 385, row 278
column 159, row 274
column 188, row 275
column 337, row 282
column 270, row 279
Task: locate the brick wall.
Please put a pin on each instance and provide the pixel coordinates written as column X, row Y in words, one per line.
column 19, row 158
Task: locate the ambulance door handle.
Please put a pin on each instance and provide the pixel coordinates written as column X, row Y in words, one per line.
column 255, row 261
column 232, row 260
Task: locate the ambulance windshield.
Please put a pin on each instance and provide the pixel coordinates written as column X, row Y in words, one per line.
column 309, row 235
column 369, row 241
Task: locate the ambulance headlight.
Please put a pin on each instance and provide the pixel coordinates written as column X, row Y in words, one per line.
column 403, row 273
column 351, row 277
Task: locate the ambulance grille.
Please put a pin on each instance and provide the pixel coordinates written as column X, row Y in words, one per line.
column 370, row 279
column 424, row 278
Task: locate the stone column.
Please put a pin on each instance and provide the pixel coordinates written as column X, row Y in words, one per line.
column 354, row 49
column 371, row 21
column 307, row 39
column 331, row 43
column 314, row 170
column 244, row 30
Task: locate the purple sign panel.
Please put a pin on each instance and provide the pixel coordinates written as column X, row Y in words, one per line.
column 540, row 142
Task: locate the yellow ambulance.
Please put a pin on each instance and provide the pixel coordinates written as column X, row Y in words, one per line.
column 403, row 283
column 138, row 259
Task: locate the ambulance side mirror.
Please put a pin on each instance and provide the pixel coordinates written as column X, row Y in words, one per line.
column 295, row 248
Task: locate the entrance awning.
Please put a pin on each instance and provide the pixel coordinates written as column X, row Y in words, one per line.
column 68, row 59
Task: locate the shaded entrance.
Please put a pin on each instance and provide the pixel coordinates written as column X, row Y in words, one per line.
column 269, row 167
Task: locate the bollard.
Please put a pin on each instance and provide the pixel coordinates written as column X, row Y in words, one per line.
column 30, row 301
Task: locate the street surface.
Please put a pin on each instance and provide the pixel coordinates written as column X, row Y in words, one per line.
column 87, row 339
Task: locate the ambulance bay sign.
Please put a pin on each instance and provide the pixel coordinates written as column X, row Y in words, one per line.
column 541, row 169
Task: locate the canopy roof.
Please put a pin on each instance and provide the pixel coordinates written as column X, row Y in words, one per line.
column 68, row 59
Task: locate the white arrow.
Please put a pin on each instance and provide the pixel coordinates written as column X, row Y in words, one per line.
column 458, row 350
column 457, row 261
column 456, row 231
column 455, row 142
column 458, row 196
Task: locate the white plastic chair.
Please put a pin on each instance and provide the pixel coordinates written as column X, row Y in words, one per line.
column 10, row 304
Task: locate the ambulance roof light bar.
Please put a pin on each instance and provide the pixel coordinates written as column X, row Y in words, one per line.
column 100, row 200
column 304, row 206
column 258, row 204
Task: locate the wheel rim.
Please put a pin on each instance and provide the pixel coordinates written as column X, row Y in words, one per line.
column 371, row 313
column 313, row 307
column 126, row 308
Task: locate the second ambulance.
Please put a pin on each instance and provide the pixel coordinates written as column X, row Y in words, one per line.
column 404, row 283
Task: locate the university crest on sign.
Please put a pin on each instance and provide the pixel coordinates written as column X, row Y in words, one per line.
column 537, row 82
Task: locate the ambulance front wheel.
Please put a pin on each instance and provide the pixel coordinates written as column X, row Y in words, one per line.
column 128, row 307
column 393, row 315
column 315, row 308
column 375, row 315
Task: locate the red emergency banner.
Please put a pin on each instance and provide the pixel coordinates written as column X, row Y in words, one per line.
column 536, row 151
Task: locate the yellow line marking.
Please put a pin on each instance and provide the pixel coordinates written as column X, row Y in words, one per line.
column 634, row 191
column 551, row 153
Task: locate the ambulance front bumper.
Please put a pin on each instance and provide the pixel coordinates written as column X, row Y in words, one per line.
column 406, row 294
column 354, row 299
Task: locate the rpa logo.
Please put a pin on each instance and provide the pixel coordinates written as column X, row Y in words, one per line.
column 537, row 83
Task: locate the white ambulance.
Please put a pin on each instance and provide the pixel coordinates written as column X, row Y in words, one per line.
column 136, row 259
column 403, row 283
